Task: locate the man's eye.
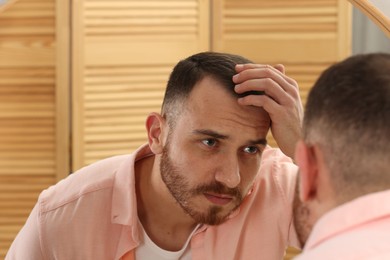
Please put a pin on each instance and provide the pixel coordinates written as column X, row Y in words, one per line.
column 251, row 149
column 209, row 142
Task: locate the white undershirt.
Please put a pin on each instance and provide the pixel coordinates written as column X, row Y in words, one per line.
column 148, row 250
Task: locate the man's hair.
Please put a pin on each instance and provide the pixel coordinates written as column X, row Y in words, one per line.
column 188, row 72
column 348, row 115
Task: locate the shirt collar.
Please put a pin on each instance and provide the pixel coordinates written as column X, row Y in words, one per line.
column 351, row 214
column 124, row 200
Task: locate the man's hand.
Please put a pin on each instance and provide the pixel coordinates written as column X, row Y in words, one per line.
column 281, row 100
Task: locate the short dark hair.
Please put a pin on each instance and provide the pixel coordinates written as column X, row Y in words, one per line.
column 348, row 115
column 188, row 72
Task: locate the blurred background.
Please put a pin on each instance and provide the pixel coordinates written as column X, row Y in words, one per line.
column 77, row 78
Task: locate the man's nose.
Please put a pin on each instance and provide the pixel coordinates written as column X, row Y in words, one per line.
column 228, row 173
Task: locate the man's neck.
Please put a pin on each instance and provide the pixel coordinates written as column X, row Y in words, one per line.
column 165, row 222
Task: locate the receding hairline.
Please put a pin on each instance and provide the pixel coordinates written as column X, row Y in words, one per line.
column 179, row 103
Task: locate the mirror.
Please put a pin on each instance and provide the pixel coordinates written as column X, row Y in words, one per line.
column 377, row 10
column 5, row 4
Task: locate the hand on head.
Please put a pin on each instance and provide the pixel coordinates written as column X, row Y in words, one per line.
column 281, row 100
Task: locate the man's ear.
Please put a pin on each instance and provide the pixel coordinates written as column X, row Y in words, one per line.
column 306, row 158
column 155, row 125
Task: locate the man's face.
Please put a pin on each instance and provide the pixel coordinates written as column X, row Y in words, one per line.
column 212, row 155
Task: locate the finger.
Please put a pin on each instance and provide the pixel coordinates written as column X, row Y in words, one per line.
column 242, row 67
column 267, row 103
column 255, row 71
column 268, row 85
column 267, row 72
column 279, row 68
column 282, row 69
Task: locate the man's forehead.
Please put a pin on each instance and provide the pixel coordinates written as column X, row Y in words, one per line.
column 224, row 122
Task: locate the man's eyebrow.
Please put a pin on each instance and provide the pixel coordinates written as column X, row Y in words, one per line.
column 260, row 141
column 210, row 133
column 221, row 136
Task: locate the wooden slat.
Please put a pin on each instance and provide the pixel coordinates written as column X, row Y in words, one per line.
column 141, row 17
column 118, row 87
column 115, row 114
column 29, row 140
column 287, row 31
column 27, row 52
column 63, row 88
column 279, row 3
column 18, row 194
column 146, row 4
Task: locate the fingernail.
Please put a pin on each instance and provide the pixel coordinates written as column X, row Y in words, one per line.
column 235, row 77
column 239, row 66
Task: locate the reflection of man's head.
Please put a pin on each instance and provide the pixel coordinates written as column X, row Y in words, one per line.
column 347, row 119
column 348, row 116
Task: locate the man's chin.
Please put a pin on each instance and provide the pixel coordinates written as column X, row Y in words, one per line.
column 213, row 217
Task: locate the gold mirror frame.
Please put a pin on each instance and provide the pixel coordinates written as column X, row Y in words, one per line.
column 6, row 5
column 375, row 14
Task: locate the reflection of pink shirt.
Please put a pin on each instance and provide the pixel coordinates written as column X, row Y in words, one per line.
column 358, row 230
column 92, row 214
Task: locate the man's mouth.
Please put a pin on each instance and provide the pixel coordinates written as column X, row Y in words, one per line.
column 218, row 199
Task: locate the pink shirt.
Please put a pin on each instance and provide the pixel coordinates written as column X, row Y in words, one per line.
column 358, row 230
column 92, row 214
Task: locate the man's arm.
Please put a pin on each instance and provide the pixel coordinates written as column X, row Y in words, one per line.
column 27, row 243
column 281, row 100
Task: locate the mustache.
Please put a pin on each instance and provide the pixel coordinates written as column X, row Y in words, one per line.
column 217, row 188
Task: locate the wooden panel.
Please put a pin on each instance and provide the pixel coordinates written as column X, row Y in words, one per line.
column 29, row 145
column 306, row 36
column 18, row 194
column 62, row 88
column 282, row 30
column 117, row 101
column 123, row 54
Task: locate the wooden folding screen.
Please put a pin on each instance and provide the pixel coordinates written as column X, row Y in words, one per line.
column 123, row 52
column 33, row 137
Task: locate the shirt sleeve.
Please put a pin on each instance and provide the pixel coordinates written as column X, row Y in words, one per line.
column 27, row 243
column 285, row 175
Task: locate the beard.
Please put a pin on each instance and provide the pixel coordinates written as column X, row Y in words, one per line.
column 180, row 189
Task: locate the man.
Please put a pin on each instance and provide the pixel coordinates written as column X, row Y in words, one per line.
column 344, row 162
column 205, row 187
